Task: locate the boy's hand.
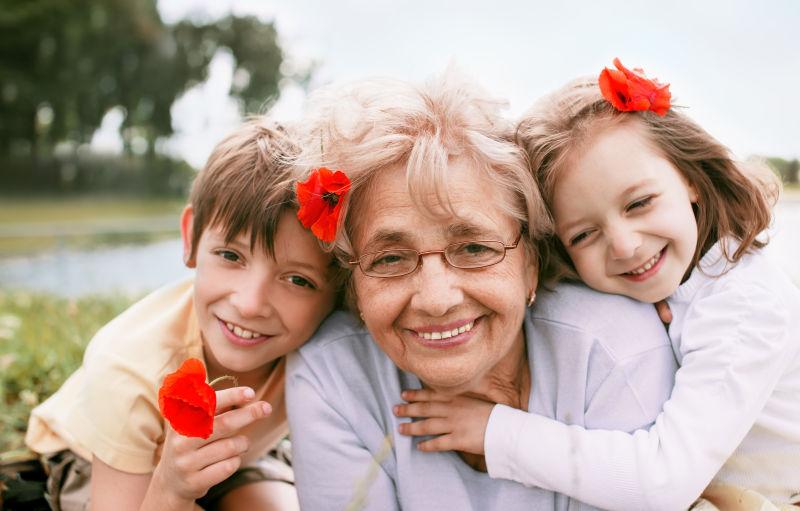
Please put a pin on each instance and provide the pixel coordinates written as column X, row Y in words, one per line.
column 190, row 466
column 459, row 421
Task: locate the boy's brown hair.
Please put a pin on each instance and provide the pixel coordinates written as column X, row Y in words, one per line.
column 735, row 199
column 246, row 185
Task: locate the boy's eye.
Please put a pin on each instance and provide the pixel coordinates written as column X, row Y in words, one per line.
column 297, row 280
column 229, row 255
column 639, row 203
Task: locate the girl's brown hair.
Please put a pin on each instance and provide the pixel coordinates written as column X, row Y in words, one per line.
column 735, row 199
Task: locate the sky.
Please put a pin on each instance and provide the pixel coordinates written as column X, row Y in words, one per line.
column 734, row 65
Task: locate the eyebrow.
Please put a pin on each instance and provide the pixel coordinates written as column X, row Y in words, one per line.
column 635, row 186
column 387, row 236
column 465, row 230
column 625, row 193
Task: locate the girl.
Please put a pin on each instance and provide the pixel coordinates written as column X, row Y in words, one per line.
column 648, row 205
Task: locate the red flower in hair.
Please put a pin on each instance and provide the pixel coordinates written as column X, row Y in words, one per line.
column 321, row 197
column 187, row 401
column 631, row 91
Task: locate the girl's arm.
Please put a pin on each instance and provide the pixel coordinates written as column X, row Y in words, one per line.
column 736, row 346
column 188, row 467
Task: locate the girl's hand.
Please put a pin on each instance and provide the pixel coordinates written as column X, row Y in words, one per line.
column 459, row 421
column 190, row 466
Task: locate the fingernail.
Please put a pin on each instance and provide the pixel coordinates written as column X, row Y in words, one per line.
column 266, row 408
column 249, row 393
column 396, row 410
column 405, row 394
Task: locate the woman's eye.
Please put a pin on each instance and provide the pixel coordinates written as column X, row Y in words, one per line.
column 297, row 280
column 229, row 255
column 639, row 203
column 388, row 259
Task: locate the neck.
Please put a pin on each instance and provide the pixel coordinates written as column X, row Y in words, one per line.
column 508, row 382
column 253, row 379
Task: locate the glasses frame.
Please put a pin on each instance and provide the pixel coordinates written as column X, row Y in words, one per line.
column 443, row 252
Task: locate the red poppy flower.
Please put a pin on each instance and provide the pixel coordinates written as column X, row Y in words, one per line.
column 321, row 197
column 631, row 91
column 187, row 401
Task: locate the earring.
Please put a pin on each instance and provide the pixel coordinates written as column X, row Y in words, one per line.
column 532, row 297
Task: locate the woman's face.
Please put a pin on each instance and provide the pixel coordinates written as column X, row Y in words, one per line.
column 449, row 326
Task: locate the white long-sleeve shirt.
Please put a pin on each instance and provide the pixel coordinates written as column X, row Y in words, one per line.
column 733, row 416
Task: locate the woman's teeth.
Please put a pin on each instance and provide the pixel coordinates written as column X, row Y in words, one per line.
column 447, row 333
column 646, row 266
column 241, row 332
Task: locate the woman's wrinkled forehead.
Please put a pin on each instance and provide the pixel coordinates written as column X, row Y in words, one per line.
column 468, row 204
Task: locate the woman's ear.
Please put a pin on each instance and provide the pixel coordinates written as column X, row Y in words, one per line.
column 187, row 221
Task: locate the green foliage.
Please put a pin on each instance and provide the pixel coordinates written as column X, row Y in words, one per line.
column 65, row 63
column 786, row 169
column 42, row 339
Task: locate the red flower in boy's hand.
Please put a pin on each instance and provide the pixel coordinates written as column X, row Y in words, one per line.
column 631, row 91
column 187, row 401
column 321, row 197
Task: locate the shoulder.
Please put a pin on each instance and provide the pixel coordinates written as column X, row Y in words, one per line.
column 623, row 326
column 341, row 348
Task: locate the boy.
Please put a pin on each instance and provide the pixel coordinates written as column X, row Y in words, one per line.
column 262, row 286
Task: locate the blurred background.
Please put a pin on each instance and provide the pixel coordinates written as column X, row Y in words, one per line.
column 109, row 107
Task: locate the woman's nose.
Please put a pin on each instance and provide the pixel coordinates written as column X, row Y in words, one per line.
column 438, row 287
column 623, row 243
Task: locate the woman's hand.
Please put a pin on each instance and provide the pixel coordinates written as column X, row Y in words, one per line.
column 459, row 421
column 190, row 466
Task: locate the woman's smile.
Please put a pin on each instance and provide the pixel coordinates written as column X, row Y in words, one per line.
column 445, row 336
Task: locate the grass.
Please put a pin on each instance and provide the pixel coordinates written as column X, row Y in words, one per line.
column 34, row 224
column 42, row 339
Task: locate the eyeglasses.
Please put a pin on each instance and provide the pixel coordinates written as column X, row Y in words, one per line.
column 402, row 261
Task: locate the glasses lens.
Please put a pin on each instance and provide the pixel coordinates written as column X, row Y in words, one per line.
column 475, row 254
column 389, row 263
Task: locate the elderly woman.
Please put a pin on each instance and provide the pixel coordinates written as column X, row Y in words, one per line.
column 440, row 229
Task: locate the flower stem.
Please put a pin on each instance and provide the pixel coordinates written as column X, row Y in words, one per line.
column 223, row 378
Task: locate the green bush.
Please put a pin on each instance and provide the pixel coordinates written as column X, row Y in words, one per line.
column 42, row 339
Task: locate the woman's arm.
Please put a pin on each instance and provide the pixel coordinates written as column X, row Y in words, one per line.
column 334, row 468
column 738, row 346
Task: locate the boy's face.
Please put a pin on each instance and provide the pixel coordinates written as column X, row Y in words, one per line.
column 252, row 308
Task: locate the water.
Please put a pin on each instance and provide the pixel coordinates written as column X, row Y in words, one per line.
column 129, row 269
column 136, row 269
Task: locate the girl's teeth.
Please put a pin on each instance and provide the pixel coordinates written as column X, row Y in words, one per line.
column 447, row 333
column 649, row 264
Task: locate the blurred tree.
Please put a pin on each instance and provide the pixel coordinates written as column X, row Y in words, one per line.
column 65, row 63
column 788, row 170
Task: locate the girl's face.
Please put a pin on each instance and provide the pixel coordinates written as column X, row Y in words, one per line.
column 624, row 214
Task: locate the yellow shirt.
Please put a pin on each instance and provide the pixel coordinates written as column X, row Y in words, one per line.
column 109, row 406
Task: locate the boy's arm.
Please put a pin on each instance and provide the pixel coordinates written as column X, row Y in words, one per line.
column 188, row 467
column 710, row 411
column 333, row 467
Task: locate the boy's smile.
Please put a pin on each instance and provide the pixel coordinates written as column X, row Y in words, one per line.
column 253, row 308
column 624, row 214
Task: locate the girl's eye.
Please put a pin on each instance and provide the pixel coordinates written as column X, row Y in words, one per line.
column 578, row 238
column 297, row 280
column 229, row 255
column 639, row 203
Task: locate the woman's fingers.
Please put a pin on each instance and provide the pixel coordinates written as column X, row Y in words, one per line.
column 230, row 422
column 425, row 427
column 234, row 397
